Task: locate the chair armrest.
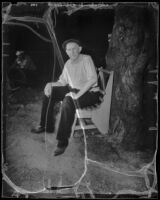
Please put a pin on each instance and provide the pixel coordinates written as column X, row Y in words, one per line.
column 104, row 70
column 102, row 92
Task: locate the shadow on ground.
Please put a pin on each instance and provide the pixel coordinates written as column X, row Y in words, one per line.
column 32, row 166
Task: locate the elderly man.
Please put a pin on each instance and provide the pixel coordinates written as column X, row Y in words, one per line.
column 76, row 87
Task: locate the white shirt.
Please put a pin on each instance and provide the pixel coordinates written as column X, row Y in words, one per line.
column 78, row 73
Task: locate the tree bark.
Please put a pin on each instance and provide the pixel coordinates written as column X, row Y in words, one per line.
column 130, row 53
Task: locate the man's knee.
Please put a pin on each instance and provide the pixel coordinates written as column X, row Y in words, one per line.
column 68, row 102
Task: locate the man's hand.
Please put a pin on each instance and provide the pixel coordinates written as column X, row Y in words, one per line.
column 73, row 95
column 48, row 89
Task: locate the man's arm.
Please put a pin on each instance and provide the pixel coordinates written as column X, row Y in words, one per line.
column 61, row 82
column 14, row 65
column 87, row 86
column 54, row 84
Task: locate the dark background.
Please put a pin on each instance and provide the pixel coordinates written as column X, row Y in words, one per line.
column 90, row 26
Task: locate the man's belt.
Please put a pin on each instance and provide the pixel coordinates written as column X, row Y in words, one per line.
column 93, row 89
column 73, row 89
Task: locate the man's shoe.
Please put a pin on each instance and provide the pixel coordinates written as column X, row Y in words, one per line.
column 38, row 130
column 59, row 151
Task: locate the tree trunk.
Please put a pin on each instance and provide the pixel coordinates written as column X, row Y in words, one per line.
column 130, row 54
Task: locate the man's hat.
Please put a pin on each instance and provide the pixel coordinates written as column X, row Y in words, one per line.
column 69, row 41
column 19, row 53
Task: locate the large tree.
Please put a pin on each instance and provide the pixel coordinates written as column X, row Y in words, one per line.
column 131, row 55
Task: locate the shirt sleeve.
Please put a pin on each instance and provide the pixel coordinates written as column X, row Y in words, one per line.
column 63, row 77
column 29, row 63
column 90, row 69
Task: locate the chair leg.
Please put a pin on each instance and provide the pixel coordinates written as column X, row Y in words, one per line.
column 74, row 125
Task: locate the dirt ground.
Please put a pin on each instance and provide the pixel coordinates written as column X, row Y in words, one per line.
column 90, row 163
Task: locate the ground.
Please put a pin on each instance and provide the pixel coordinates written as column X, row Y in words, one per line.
column 90, row 164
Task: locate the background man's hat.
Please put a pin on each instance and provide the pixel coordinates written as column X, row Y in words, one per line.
column 69, row 41
column 19, row 53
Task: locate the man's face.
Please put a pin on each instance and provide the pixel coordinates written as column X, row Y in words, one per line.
column 73, row 50
column 19, row 59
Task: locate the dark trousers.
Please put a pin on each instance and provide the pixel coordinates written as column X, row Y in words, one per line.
column 67, row 110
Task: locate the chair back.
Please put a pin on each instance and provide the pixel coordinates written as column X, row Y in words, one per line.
column 101, row 115
column 103, row 77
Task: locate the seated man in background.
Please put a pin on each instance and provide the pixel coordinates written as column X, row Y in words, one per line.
column 76, row 87
column 22, row 72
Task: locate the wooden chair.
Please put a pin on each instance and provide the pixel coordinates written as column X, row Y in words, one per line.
column 84, row 116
